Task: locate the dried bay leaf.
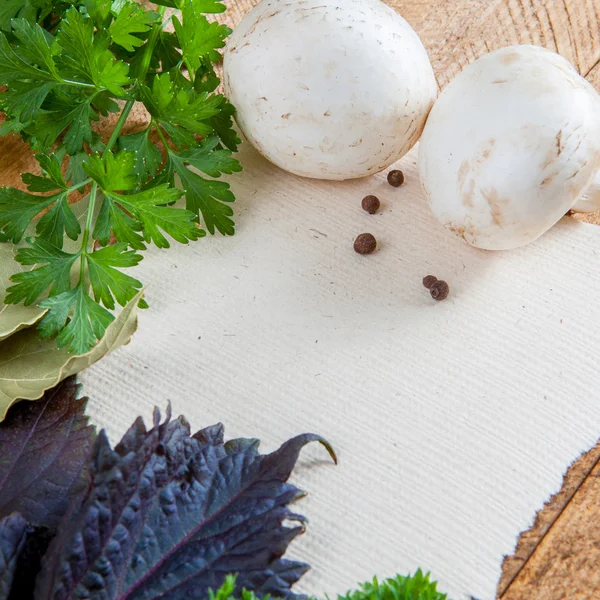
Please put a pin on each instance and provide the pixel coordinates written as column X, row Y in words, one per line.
column 29, row 366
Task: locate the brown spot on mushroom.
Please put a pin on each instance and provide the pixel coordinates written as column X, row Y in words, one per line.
column 463, row 171
column 467, row 232
column 559, row 146
column 493, row 199
column 510, row 58
column 355, row 144
column 326, row 114
column 500, row 81
column 468, row 194
column 548, row 180
column 286, row 116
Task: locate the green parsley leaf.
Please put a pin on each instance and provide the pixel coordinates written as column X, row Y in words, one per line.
column 207, row 197
column 208, row 6
column 55, row 272
column 76, row 318
column 198, row 36
column 108, row 283
column 51, row 179
column 222, row 125
column 35, row 45
column 113, row 219
column 98, row 10
column 113, row 172
column 86, row 56
column 14, row 67
column 209, row 160
column 18, row 209
column 147, row 156
column 148, row 207
column 62, row 114
column 60, row 220
column 28, row 9
column 173, row 108
column 66, row 64
column 131, row 18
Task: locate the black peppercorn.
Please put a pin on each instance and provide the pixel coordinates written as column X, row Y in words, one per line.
column 365, row 243
column 371, row 204
column 429, row 281
column 395, row 178
column 439, row 291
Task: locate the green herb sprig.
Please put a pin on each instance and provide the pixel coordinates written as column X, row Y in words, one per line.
column 66, row 65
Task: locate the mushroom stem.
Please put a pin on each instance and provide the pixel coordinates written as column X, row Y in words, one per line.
column 589, row 201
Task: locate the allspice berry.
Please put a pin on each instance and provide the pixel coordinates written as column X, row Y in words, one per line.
column 439, row 291
column 429, row 281
column 395, row 178
column 365, row 243
column 371, row 204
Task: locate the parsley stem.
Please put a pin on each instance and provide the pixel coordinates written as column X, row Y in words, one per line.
column 149, row 49
column 78, row 83
column 87, row 231
column 119, row 126
column 79, row 185
column 156, row 31
column 161, row 135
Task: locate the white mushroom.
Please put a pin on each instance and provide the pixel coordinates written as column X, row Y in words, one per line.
column 329, row 89
column 510, row 146
column 590, row 199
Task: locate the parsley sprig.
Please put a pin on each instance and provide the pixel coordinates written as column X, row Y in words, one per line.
column 65, row 66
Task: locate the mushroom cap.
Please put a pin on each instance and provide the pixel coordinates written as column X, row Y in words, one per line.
column 510, row 146
column 589, row 201
column 327, row 89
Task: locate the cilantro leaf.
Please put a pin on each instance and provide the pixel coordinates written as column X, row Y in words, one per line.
column 197, row 36
column 108, row 283
column 75, row 318
column 147, row 156
column 87, row 56
column 206, row 196
column 131, row 18
column 55, row 272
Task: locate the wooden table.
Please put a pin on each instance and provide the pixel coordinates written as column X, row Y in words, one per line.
column 559, row 557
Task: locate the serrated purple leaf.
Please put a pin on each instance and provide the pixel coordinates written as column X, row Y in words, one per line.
column 169, row 515
column 13, row 535
column 45, row 446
